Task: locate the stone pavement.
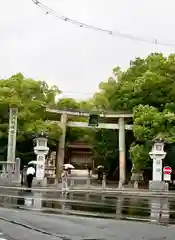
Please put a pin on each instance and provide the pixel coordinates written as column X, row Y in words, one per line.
column 24, row 225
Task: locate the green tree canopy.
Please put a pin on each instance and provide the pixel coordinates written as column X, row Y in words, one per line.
column 30, row 97
column 147, row 88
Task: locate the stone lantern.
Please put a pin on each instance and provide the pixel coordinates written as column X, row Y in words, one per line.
column 157, row 154
column 41, row 150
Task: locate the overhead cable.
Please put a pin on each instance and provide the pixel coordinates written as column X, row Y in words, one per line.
column 66, row 19
column 98, row 29
column 76, row 93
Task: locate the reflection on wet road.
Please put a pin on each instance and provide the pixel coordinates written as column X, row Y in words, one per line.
column 158, row 210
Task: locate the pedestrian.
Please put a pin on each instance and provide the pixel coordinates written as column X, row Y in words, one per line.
column 64, row 177
column 69, row 171
column 30, row 174
column 89, row 170
column 100, row 174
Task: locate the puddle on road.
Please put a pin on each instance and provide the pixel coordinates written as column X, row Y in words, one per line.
column 158, row 210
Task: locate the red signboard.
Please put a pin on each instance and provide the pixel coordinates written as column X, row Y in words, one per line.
column 167, row 170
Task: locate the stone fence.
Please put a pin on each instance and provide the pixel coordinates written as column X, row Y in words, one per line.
column 13, row 176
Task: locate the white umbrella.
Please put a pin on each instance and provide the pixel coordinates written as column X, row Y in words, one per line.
column 33, row 162
column 100, row 166
column 68, row 166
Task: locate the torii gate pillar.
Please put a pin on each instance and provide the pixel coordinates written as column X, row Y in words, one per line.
column 122, row 157
column 61, row 146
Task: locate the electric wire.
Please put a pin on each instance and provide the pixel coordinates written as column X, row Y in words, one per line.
column 75, row 93
column 98, row 29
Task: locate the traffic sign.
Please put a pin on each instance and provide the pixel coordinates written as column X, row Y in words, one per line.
column 167, row 177
column 167, row 170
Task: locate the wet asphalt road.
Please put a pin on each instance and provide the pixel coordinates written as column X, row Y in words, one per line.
column 154, row 217
column 32, row 225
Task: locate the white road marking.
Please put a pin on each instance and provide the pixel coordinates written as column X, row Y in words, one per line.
column 2, row 237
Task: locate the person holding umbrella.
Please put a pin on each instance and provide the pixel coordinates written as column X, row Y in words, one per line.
column 64, row 177
column 69, row 167
column 30, row 174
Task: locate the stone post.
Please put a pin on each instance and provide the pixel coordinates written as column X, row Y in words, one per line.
column 11, row 141
column 136, row 185
column 104, row 181
column 72, row 182
column 165, row 210
column 37, row 203
column 17, row 170
column 87, row 196
column 122, row 163
column 120, row 185
column 88, row 182
column 119, row 204
column 166, row 187
column 155, row 206
column 9, row 173
column 4, row 169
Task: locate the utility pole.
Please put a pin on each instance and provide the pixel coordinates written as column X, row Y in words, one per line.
column 11, row 141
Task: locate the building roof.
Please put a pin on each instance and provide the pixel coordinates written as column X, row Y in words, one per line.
column 79, row 144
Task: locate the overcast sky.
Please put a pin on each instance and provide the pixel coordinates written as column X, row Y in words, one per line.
column 76, row 59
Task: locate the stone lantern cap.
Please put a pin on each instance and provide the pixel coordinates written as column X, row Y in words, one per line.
column 158, row 140
column 158, row 148
column 41, row 135
column 41, row 143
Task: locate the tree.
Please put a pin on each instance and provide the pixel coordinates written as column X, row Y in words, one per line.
column 146, row 81
column 146, row 88
column 105, row 148
column 68, row 104
column 101, row 99
column 31, row 98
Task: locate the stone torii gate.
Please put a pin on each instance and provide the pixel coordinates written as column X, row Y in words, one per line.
column 117, row 123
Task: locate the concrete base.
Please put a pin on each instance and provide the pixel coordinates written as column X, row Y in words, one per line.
column 137, row 176
column 157, row 186
column 120, row 185
column 42, row 183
